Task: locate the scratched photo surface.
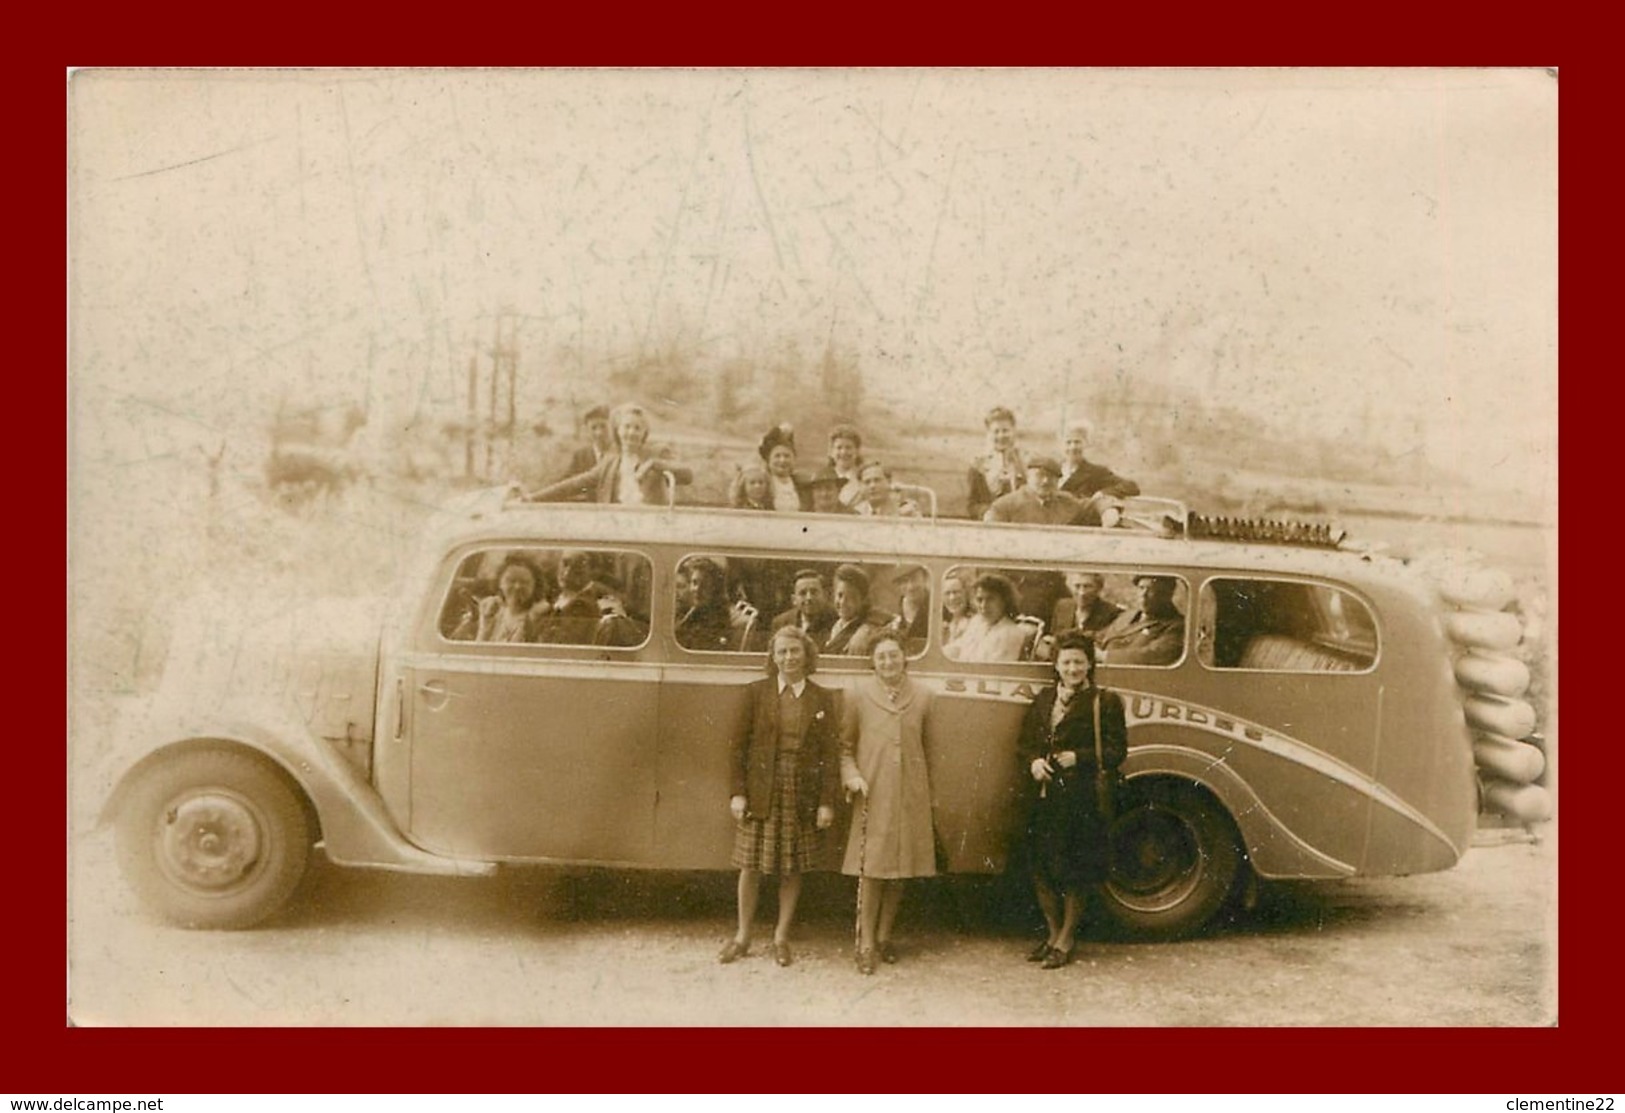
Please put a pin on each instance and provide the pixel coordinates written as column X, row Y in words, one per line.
column 308, row 308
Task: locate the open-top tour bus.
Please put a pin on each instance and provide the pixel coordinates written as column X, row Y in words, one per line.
column 1318, row 713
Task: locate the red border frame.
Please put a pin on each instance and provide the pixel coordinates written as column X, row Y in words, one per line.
column 84, row 1061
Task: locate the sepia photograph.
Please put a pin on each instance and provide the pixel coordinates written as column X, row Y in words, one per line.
column 812, row 547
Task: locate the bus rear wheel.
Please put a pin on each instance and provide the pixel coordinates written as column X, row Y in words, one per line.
column 1175, row 861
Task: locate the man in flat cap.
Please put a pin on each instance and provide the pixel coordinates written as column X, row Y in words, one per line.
column 1151, row 634
column 1041, row 501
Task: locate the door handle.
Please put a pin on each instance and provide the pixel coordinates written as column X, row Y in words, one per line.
column 435, row 694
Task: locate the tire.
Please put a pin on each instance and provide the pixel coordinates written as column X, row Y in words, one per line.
column 213, row 838
column 1175, row 862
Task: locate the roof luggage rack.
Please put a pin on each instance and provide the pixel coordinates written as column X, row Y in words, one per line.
column 1266, row 530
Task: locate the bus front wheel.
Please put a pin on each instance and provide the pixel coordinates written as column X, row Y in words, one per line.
column 1175, row 861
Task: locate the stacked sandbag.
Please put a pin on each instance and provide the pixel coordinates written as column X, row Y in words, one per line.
column 1506, row 747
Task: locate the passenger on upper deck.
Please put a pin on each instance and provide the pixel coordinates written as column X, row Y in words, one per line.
column 600, row 443
column 751, row 489
column 812, row 612
column 1153, row 634
column 635, row 473
column 992, row 634
column 1039, row 502
column 856, row 624
column 845, row 445
column 880, row 499
column 826, row 493
column 788, row 490
column 999, row 470
column 1084, row 480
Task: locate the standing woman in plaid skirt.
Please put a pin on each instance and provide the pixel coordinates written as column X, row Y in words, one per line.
column 785, row 766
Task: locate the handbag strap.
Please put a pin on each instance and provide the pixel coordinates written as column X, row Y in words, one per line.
column 1100, row 754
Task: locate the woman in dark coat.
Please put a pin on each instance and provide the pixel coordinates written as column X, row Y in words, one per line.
column 1067, row 836
column 784, row 767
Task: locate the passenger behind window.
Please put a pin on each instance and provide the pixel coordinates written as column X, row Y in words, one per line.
column 515, row 613
column 616, row 626
column 1086, row 601
column 709, row 623
column 956, row 608
column 992, row 634
column 811, row 613
column 1152, row 634
column 856, row 624
column 913, row 622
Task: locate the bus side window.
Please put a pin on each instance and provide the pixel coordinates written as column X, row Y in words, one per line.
column 1281, row 626
column 534, row 596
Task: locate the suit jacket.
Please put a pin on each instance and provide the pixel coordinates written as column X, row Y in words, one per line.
column 1101, row 615
column 583, row 459
column 755, row 749
column 602, row 483
column 1094, row 479
column 1023, row 505
column 1137, row 639
column 818, row 628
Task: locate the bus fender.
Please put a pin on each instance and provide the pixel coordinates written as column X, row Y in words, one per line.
column 356, row 828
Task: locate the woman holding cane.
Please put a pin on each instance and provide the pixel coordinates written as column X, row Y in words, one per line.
column 883, row 727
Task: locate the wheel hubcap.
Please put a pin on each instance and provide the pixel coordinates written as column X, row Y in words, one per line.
column 210, row 841
column 1155, row 860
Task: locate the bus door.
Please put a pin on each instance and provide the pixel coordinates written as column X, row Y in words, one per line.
column 532, row 727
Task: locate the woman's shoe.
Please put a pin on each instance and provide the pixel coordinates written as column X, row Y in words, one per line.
column 888, row 953
column 1039, row 953
column 733, row 951
column 866, row 961
column 1058, row 958
column 781, row 953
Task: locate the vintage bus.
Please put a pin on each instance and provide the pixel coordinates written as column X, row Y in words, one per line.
column 1302, row 722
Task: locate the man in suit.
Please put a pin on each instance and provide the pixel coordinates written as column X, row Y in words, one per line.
column 1040, row 502
column 600, row 442
column 1084, row 609
column 810, row 610
column 1153, row 634
column 1083, row 480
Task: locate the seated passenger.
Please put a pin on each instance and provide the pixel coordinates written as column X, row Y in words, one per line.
column 574, row 615
column 634, row 473
column 992, row 634
column 999, row 470
column 786, row 489
column 751, row 489
column 811, row 613
column 1040, row 501
column 1153, row 634
column 615, row 626
column 845, row 445
column 856, row 624
column 709, row 623
column 956, row 608
column 514, row 614
column 1084, row 480
column 1085, row 600
column 879, row 497
column 913, row 622
column 826, row 489
column 600, row 442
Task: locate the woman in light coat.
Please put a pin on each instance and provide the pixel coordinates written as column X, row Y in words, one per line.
column 883, row 726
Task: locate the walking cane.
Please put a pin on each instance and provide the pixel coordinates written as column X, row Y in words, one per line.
column 863, row 854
